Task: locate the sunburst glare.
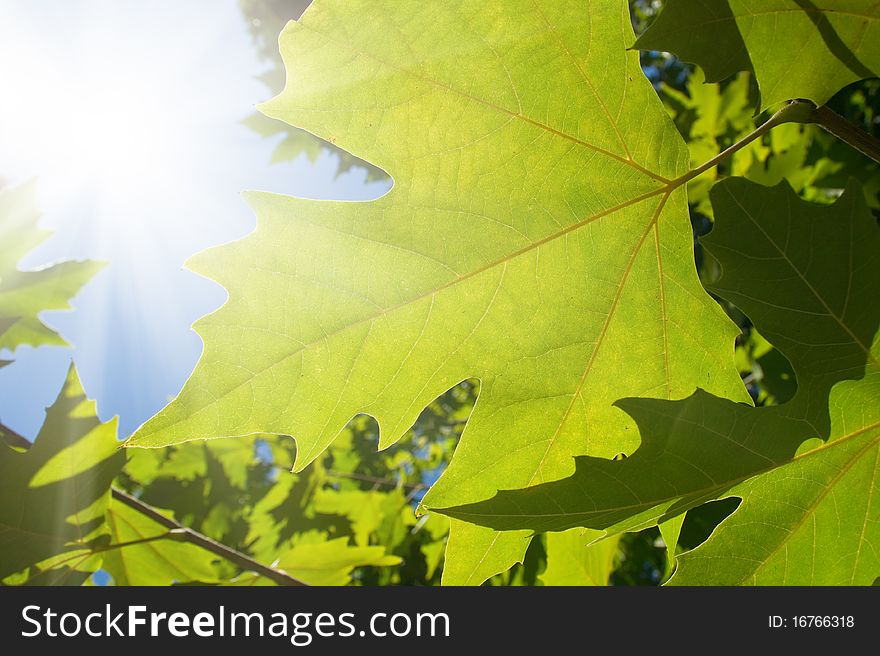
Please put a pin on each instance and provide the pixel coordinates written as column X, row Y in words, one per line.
column 129, row 115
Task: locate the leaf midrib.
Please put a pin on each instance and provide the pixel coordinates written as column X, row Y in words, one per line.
column 461, row 278
column 604, row 331
column 801, row 276
column 810, row 511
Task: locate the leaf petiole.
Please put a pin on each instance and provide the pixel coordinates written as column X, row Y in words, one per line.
column 797, row 111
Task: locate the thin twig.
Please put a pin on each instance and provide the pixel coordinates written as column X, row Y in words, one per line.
column 375, row 480
column 185, row 534
column 176, row 530
column 92, row 550
column 797, row 111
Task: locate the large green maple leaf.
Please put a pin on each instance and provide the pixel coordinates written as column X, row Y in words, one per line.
column 536, row 238
column 796, row 48
column 54, row 495
column 24, row 294
column 807, row 471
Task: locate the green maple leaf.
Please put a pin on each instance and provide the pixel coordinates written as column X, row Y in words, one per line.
column 25, row 294
column 807, row 471
column 287, row 510
column 154, row 561
column 54, row 494
column 536, row 238
column 331, row 562
column 366, row 510
column 796, row 48
column 314, row 560
column 830, row 492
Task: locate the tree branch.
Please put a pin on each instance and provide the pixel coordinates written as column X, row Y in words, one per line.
column 176, row 530
column 847, row 132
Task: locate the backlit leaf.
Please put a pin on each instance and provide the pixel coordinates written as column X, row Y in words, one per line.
column 55, row 493
column 25, row 294
column 158, row 562
column 574, row 559
column 807, row 470
column 532, row 240
column 316, row 561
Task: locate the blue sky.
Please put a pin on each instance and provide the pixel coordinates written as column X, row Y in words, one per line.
column 128, row 114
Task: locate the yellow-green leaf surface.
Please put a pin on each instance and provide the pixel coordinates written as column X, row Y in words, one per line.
column 25, row 294
column 298, row 142
column 797, row 48
column 825, row 263
column 437, row 526
column 54, row 494
column 532, row 240
column 670, row 531
column 574, row 559
column 314, row 560
column 807, row 471
column 332, row 562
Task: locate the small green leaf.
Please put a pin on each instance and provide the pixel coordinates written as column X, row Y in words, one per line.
column 25, row 294
column 317, row 561
column 332, row 562
column 366, row 510
column 69, row 568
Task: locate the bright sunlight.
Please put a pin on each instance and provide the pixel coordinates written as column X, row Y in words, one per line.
column 90, row 115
